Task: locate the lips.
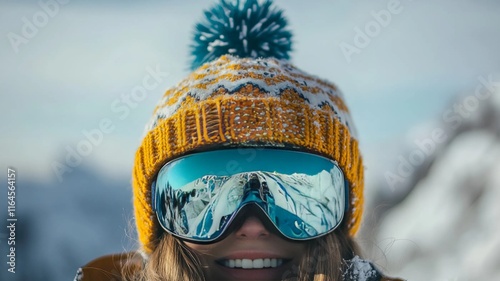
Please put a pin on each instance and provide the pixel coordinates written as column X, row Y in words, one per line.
column 253, row 266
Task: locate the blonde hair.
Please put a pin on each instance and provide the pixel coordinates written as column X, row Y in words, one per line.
column 171, row 260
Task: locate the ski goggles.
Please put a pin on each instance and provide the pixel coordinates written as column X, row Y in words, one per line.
column 196, row 197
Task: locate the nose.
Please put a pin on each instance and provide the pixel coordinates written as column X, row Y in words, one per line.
column 252, row 228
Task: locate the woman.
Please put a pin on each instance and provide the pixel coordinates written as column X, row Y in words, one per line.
column 249, row 168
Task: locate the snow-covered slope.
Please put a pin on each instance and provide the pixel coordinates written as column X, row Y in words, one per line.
column 445, row 224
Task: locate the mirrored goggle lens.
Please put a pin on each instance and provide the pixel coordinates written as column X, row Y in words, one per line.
column 197, row 196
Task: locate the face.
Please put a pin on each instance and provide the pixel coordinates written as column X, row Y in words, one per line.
column 250, row 252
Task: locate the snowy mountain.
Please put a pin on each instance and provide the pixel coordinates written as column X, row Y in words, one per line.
column 441, row 221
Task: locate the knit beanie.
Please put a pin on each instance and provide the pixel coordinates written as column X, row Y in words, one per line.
column 243, row 92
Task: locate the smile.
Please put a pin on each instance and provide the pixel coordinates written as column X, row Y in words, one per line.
column 250, row 264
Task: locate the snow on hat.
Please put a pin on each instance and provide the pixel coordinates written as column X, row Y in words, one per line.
column 244, row 92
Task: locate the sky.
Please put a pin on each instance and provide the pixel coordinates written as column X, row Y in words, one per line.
column 66, row 65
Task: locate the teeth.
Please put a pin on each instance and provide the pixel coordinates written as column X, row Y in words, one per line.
column 257, row 263
column 246, row 263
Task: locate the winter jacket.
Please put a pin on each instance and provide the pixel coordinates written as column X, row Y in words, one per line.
column 108, row 268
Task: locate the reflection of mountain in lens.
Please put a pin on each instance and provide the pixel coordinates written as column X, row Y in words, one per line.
column 201, row 218
column 290, row 203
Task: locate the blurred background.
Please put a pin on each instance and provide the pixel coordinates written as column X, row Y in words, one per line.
column 421, row 78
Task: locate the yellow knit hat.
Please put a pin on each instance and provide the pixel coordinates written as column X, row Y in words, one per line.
column 249, row 101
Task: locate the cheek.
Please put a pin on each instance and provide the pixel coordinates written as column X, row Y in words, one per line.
column 201, row 248
column 299, row 249
column 192, row 246
column 203, row 252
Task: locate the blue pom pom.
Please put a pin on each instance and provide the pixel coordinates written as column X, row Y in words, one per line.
column 244, row 30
